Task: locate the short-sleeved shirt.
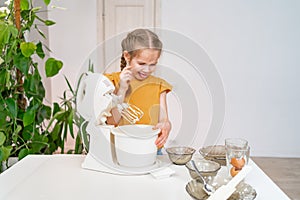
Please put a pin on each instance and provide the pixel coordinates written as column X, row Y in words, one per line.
column 145, row 95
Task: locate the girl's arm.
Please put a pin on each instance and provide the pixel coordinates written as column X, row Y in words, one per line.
column 116, row 116
column 164, row 124
column 125, row 78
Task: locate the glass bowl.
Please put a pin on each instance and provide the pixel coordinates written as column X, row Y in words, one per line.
column 243, row 191
column 180, row 155
column 216, row 153
column 208, row 169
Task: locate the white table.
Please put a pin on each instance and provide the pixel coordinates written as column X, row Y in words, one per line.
column 56, row 177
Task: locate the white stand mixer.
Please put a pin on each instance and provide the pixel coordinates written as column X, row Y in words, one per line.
column 95, row 100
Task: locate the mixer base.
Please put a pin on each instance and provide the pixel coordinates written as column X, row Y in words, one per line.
column 91, row 163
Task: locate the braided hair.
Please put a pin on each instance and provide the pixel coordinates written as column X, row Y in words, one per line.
column 137, row 40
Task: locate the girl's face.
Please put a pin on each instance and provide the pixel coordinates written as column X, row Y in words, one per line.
column 143, row 64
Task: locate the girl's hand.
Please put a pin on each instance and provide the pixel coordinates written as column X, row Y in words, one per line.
column 125, row 78
column 165, row 128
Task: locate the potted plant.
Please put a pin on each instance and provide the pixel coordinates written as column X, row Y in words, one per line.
column 27, row 125
column 65, row 119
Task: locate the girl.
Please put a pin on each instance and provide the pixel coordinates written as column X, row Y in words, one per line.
column 135, row 84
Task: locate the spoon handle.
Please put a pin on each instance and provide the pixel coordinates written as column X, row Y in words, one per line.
column 197, row 171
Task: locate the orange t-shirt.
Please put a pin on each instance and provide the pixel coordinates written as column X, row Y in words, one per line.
column 145, row 95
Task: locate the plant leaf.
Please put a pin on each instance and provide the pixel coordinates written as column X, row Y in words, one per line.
column 84, row 135
column 3, row 76
column 65, row 135
column 56, row 132
column 6, row 31
column 26, row 135
column 4, row 34
column 4, row 153
column 28, row 48
column 22, row 63
column 3, row 121
column 40, row 90
column 39, row 31
column 70, row 124
column 23, row 153
column 8, row 40
column 12, row 107
column 69, row 85
column 78, row 145
column 40, row 51
column 52, row 147
column 56, row 108
column 58, row 116
column 52, row 67
column 28, row 117
column 24, row 5
column 13, row 30
column 47, row 2
column 49, row 22
column 39, row 142
column 2, row 138
column 46, row 112
column 36, row 9
column 18, row 129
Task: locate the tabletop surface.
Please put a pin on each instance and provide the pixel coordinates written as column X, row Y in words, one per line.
column 61, row 176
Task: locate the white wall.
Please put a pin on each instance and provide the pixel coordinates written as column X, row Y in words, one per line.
column 254, row 45
column 71, row 39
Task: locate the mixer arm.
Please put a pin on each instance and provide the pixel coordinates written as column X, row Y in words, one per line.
column 95, row 100
column 93, row 97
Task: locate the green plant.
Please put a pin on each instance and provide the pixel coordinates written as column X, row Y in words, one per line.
column 24, row 118
column 64, row 119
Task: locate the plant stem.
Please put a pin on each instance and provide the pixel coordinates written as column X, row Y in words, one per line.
column 17, row 14
column 17, row 149
column 21, row 100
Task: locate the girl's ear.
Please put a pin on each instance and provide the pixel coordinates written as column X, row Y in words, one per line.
column 126, row 56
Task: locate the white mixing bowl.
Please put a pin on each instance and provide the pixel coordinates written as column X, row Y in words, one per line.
column 135, row 145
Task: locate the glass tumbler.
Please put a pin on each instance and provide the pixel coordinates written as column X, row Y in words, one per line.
column 237, row 154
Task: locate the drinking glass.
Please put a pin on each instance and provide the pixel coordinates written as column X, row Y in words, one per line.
column 237, row 154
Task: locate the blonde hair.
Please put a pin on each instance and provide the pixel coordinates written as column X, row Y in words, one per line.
column 137, row 40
